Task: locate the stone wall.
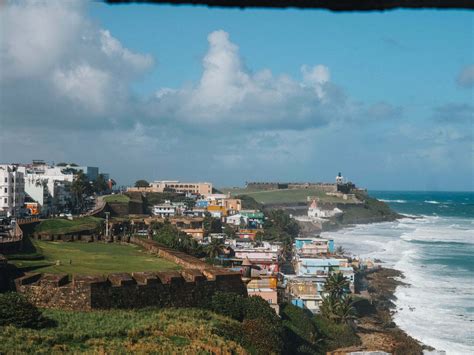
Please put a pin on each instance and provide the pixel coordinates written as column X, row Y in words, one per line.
column 187, row 288
column 178, row 257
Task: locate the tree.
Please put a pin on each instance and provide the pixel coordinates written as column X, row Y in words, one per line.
column 80, row 187
column 214, row 248
column 229, row 231
column 336, row 285
column 141, row 183
column 100, row 184
column 340, row 250
column 345, row 311
column 211, row 225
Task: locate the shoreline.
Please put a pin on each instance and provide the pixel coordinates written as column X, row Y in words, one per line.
column 376, row 326
column 376, row 307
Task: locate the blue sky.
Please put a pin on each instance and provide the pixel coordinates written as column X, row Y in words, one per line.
column 232, row 95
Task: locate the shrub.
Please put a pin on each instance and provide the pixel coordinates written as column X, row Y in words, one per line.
column 17, row 311
column 335, row 335
column 228, row 304
column 301, row 334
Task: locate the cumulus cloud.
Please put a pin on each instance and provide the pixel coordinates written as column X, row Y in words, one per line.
column 229, row 93
column 465, row 78
column 60, row 68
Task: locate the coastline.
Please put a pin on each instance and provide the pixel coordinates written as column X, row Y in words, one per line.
column 376, row 327
column 376, row 307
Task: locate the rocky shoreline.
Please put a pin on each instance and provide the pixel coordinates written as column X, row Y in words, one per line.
column 376, row 327
column 375, row 308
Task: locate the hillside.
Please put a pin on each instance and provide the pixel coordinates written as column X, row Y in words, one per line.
column 285, row 196
column 186, row 331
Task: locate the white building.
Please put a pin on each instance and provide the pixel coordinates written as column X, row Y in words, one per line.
column 49, row 186
column 314, row 211
column 164, row 210
column 12, row 190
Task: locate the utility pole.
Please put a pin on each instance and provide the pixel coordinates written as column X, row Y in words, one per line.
column 107, row 224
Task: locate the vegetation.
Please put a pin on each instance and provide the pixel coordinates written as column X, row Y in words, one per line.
column 62, row 225
column 280, row 226
column 261, row 327
column 16, row 311
column 142, row 183
column 372, row 210
column 285, row 196
column 118, row 198
column 249, row 203
column 160, row 331
column 89, row 258
column 302, row 336
column 337, row 305
column 211, row 224
column 167, row 234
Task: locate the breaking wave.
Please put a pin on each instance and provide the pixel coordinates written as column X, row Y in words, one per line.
column 436, row 255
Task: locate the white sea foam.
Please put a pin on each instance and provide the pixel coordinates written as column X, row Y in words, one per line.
column 432, row 202
column 434, row 307
column 393, row 201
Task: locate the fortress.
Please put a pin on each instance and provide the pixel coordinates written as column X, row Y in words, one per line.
column 192, row 286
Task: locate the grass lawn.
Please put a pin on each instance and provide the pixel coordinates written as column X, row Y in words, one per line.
column 117, row 198
column 156, row 331
column 90, row 258
column 62, row 225
column 285, row 196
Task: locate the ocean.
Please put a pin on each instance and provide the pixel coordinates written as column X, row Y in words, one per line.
column 436, row 254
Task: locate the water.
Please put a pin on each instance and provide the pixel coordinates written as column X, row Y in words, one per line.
column 436, row 254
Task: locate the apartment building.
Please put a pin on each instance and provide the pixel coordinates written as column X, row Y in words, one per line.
column 12, row 190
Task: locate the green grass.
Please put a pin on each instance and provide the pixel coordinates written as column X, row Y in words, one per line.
column 62, row 225
column 285, row 196
column 91, row 258
column 165, row 331
column 117, row 199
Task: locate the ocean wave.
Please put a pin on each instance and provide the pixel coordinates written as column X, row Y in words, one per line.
column 433, row 202
column 393, row 201
column 407, row 245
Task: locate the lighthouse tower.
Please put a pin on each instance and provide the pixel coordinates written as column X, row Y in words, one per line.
column 339, row 179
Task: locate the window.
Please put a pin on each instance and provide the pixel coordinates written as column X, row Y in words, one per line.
column 5, row 200
column 6, row 189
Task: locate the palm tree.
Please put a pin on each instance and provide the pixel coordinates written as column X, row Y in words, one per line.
column 340, row 250
column 214, row 249
column 336, row 285
column 345, row 311
column 328, row 307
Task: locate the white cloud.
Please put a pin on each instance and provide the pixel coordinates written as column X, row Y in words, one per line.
column 85, row 85
column 51, row 55
column 229, row 93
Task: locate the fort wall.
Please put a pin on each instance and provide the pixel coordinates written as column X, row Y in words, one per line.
column 191, row 287
column 187, row 288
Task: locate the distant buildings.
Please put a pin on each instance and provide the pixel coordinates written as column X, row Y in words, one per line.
column 196, row 188
column 314, row 211
column 48, row 186
column 314, row 261
column 12, row 190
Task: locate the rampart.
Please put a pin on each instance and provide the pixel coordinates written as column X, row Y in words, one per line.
column 187, row 288
column 326, row 187
column 191, row 287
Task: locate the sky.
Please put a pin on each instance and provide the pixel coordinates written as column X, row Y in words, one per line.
column 230, row 95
